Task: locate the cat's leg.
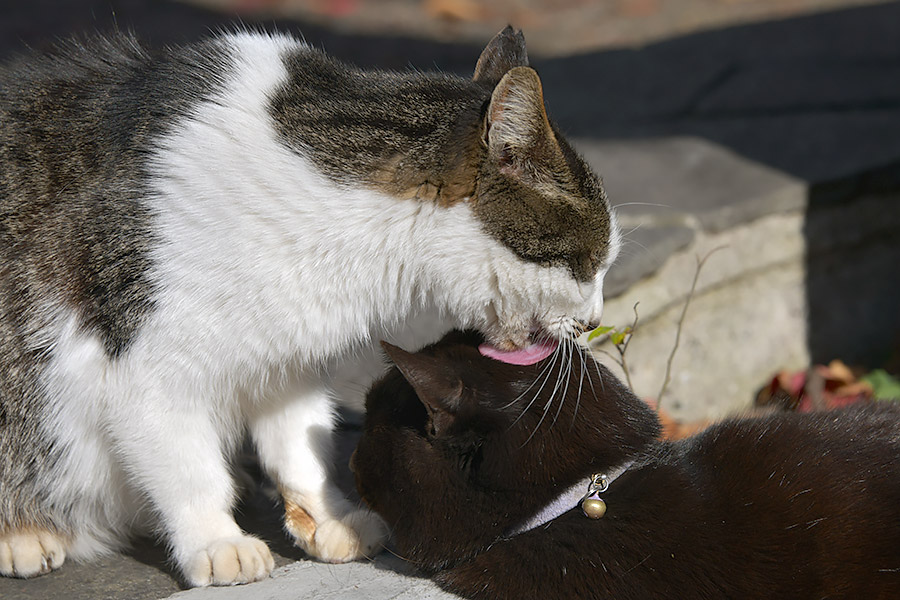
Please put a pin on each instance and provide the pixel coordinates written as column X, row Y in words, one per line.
column 177, row 457
column 30, row 552
column 295, row 444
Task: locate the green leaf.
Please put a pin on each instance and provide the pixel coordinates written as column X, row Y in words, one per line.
column 598, row 331
column 618, row 337
column 884, row 386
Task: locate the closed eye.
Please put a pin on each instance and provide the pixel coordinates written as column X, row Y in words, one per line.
column 470, row 460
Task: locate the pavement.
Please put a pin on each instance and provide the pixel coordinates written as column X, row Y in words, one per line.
column 773, row 129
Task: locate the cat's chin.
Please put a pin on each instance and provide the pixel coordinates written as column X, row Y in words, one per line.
column 514, row 340
column 565, row 328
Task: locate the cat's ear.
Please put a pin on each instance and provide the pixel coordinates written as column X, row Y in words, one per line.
column 504, row 52
column 518, row 133
column 439, row 388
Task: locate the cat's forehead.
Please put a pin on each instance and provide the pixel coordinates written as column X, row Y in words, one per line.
column 567, row 224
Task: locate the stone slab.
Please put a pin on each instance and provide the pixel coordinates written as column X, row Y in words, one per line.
column 138, row 575
column 777, row 293
column 387, row 578
column 689, row 181
column 644, row 251
column 734, row 338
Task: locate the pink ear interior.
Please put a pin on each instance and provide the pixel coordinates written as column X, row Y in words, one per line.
column 526, row 356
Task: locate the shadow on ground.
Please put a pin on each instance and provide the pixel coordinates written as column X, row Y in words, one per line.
column 815, row 96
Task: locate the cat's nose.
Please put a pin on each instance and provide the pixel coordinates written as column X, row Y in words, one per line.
column 582, row 326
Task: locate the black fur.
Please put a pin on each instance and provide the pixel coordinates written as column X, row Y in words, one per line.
column 787, row 506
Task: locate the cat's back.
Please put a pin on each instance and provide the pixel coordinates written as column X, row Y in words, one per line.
column 76, row 127
column 857, row 435
column 89, row 108
column 805, row 462
column 781, row 506
column 817, row 492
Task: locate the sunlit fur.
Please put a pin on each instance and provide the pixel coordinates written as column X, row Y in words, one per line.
column 266, row 280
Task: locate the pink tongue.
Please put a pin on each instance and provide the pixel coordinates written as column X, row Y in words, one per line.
column 526, row 356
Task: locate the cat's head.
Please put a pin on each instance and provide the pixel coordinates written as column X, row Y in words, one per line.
column 467, row 447
column 537, row 199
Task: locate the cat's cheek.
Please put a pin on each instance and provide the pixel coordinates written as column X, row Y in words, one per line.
column 587, row 314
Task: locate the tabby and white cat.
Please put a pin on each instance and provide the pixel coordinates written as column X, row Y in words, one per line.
column 193, row 242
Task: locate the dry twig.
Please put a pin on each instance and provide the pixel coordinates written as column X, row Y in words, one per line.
column 687, row 303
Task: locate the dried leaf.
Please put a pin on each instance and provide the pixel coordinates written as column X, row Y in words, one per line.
column 838, row 371
column 455, row 10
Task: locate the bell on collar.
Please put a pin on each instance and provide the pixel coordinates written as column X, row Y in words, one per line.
column 592, row 505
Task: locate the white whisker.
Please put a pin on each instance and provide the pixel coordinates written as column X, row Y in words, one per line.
column 552, row 394
column 581, row 384
column 642, row 204
column 522, row 395
column 637, row 243
column 568, row 376
column 632, row 230
column 549, row 370
column 599, row 375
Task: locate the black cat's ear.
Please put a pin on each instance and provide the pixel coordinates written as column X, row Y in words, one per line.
column 518, row 133
column 439, row 388
column 504, row 52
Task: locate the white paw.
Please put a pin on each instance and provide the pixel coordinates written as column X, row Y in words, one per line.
column 359, row 534
column 230, row 561
column 30, row 553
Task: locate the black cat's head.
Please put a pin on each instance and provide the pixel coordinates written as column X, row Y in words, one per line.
column 471, row 446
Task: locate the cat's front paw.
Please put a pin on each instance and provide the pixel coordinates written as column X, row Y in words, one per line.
column 230, row 561
column 359, row 534
column 30, row 553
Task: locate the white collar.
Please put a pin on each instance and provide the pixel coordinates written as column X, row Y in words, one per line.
column 565, row 502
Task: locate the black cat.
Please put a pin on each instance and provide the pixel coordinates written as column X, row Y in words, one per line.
column 465, row 457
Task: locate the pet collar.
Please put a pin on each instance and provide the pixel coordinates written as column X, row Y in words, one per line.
column 591, row 504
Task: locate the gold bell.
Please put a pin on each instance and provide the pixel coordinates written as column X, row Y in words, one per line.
column 593, row 508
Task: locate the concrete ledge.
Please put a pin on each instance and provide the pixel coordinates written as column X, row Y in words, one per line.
column 780, row 291
column 379, row 580
column 746, row 319
column 689, row 181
